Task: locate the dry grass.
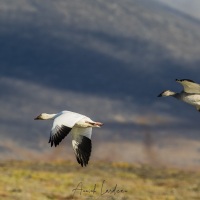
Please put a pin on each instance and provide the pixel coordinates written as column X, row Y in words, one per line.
column 25, row 180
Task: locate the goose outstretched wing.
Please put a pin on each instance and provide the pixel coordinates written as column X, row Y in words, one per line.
column 189, row 86
column 82, row 145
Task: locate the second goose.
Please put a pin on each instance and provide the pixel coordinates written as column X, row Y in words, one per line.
column 190, row 93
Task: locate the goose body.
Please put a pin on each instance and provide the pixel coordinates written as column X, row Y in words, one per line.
column 190, row 93
column 80, row 127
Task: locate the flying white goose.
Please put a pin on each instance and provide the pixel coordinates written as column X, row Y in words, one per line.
column 80, row 128
column 190, row 93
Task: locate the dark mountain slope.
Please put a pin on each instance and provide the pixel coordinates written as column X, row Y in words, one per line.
column 107, row 59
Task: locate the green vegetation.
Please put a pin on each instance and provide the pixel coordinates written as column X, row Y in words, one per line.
column 62, row 180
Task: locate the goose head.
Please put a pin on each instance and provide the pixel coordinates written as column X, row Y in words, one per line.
column 166, row 93
column 44, row 116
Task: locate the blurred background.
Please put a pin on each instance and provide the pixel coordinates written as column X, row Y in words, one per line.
column 108, row 60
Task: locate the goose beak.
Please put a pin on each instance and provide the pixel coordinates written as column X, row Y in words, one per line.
column 38, row 117
column 160, row 95
column 177, row 80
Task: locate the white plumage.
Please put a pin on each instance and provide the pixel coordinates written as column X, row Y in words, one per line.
column 80, row 127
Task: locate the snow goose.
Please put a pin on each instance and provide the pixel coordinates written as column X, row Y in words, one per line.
column 190, row 93
column 80, row 128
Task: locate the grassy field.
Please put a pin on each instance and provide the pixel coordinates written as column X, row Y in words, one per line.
column 62, row 180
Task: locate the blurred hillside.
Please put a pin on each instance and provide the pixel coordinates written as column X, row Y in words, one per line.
column 106, row 59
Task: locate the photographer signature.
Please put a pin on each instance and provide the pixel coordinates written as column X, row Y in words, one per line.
column 100, row 191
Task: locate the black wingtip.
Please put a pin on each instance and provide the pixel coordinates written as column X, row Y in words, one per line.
column 61, row 133
column 180, row 80
column 83, row 151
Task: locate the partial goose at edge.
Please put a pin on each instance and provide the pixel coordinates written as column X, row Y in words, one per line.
column 190, row 93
